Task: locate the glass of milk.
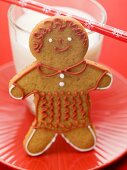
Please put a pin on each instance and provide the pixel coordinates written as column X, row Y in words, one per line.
column 22, row 21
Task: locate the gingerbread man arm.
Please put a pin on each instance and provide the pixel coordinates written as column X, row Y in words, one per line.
column 19, row 84
column 105, row 77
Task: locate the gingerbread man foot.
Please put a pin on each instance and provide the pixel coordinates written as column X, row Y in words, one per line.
column 38, row 141
column 81, row 139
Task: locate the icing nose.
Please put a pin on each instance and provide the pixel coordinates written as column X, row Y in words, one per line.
column 60, row 40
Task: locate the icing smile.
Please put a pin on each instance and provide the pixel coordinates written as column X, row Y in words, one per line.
column 62, row 49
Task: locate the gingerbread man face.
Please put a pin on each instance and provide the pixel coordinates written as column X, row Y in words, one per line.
column 59, row 41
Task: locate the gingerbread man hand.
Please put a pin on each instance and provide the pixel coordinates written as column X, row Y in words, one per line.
column 106, row 82
column 104, row 79
column 23, row 84
column 16, row 92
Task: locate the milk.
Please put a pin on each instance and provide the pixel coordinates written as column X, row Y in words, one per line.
column 27, row 21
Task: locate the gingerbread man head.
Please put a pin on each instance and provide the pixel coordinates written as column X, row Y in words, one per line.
column 59, row 41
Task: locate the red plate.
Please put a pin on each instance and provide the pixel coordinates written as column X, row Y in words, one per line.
column 109, row 115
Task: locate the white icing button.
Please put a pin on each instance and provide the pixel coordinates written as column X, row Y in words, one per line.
column 61, row 84
column 50, row 40
column 69, row 39
column 61, row 75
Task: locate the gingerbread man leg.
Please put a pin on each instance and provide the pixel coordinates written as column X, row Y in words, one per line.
column 82, row 139
column 38, row 141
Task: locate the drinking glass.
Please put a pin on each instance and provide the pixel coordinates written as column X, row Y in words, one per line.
column 21, row 22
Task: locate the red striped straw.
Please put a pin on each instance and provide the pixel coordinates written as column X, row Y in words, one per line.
column 91, row 25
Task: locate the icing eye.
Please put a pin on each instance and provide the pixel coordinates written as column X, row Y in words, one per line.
column 69, row 38
column 50, row 40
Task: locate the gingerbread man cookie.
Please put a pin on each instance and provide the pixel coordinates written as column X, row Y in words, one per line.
column 61, row 80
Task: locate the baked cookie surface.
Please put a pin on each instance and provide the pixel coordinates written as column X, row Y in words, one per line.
column 61, row 80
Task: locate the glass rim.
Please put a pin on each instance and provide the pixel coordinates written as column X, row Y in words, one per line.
column 102, row 10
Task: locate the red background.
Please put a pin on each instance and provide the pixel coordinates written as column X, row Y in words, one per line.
column 114, row 53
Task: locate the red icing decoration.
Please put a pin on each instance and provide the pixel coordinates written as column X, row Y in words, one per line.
column 61, row 71
column 74, row 114
column 66, row 106
column 62, row 49
column 58, row 109
column 51, row 107
column 60, row 25
column 71, row 101
column 44, row 106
